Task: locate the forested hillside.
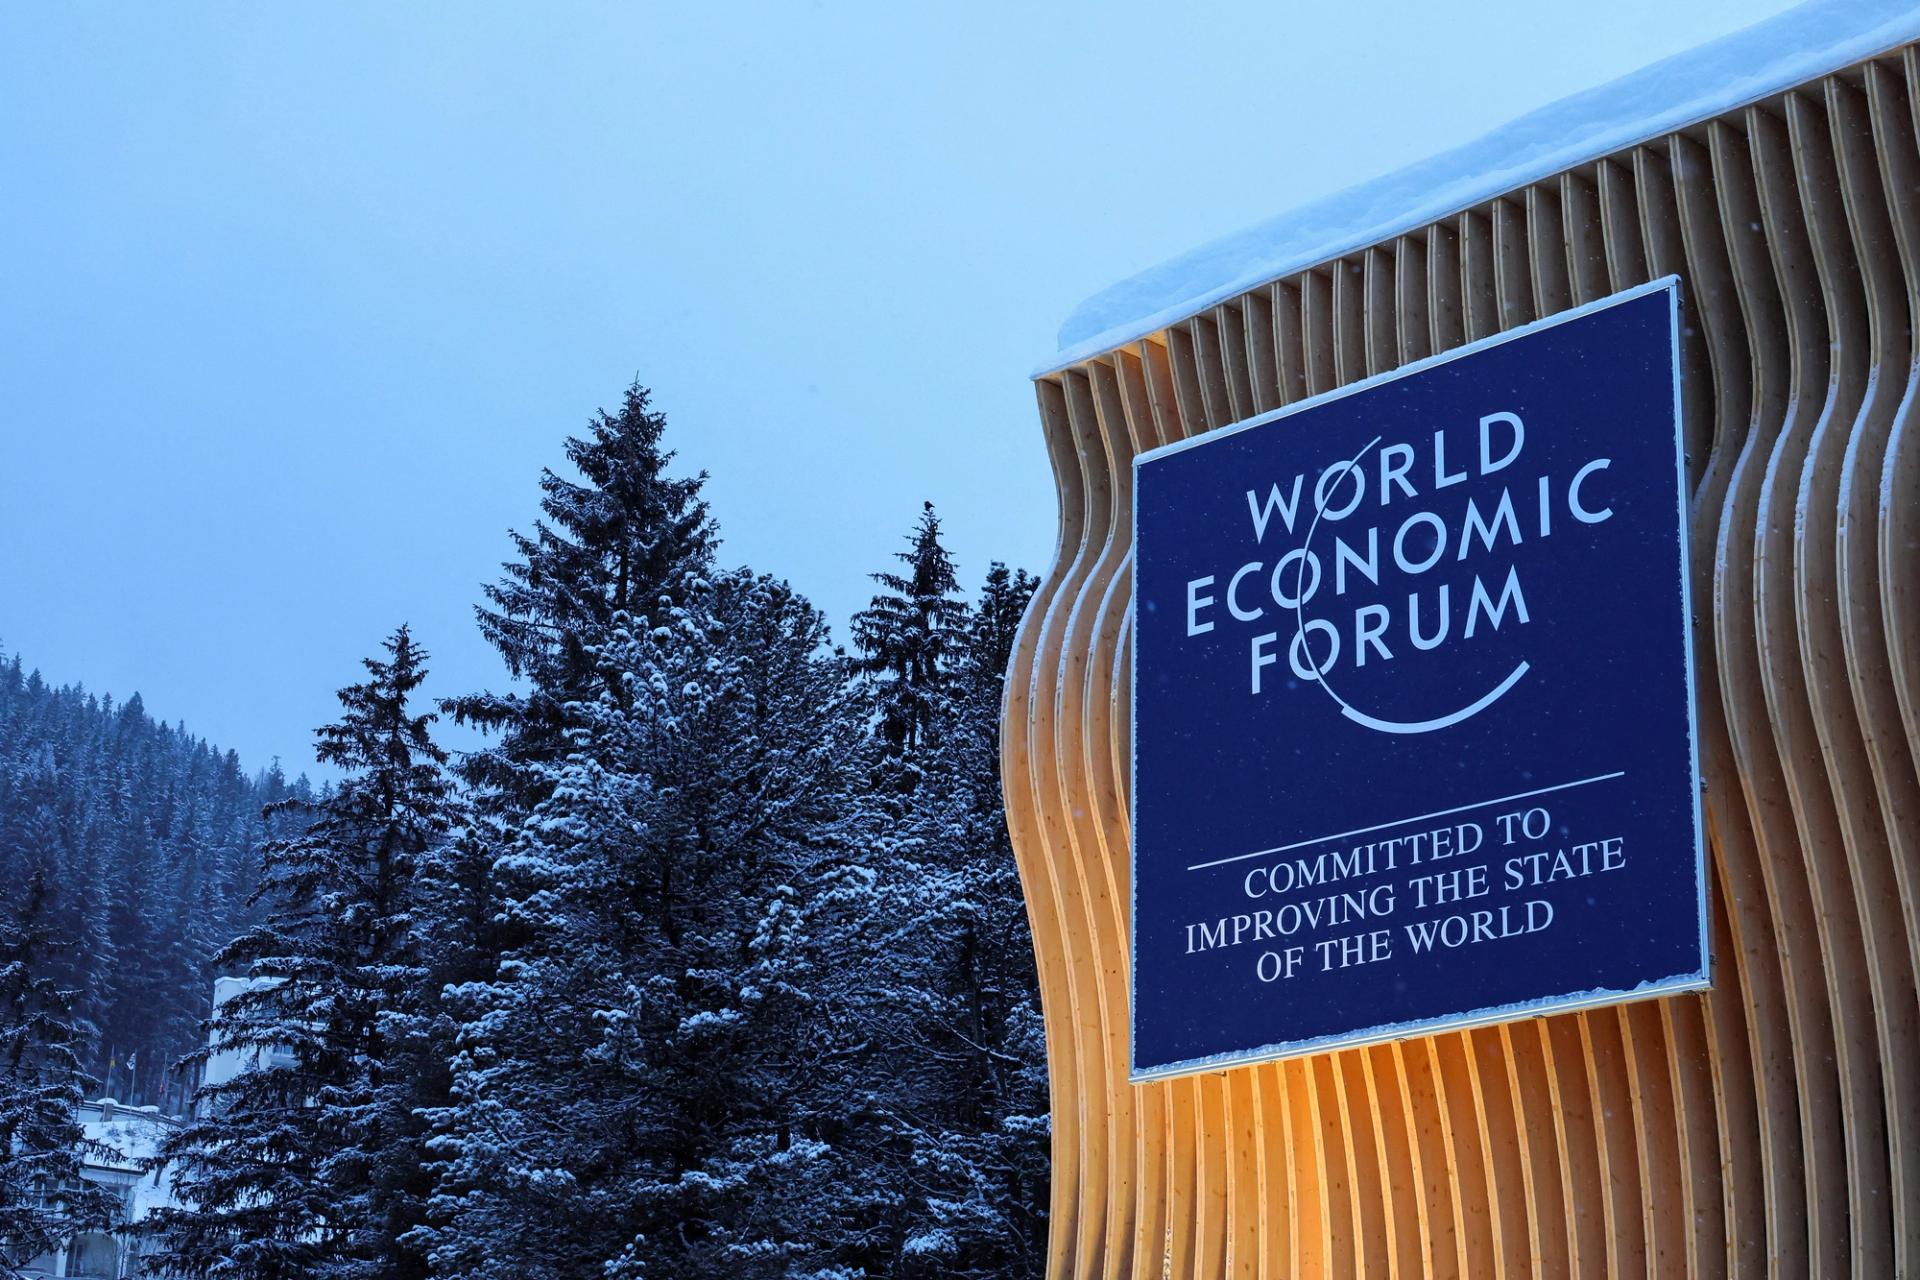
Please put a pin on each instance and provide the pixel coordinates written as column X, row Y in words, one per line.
column 711, row 962
column 148, row 838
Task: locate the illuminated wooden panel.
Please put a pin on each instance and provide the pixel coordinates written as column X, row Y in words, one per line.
column 1769, row 1126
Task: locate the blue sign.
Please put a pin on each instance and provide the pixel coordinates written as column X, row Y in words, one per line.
column 1413, row 735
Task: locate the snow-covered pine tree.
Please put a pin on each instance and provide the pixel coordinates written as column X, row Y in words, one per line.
column 43, row 1201
column 459, row 938
column 636, row 1088
column 992, row 1206
column 745, row 1172
column 962, row 1079
column 631, row 1098
column 906, row 638
column 309, row 1162
column 622, row 537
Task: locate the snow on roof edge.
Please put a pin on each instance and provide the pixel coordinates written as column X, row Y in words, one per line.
column 1745, row 66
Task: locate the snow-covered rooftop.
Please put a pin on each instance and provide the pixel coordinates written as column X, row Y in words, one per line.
column 1787, row 49
column 127, row 1136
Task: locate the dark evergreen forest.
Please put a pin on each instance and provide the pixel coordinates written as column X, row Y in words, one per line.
column 711, row 962
column 148, row 839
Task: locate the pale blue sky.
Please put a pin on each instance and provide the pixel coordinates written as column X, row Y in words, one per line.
column 295, row 302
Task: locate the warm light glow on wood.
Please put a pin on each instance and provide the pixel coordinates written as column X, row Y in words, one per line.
column 1770, row 1126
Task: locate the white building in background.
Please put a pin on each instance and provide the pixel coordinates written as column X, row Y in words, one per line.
column 225, row 1063
column 120, row 1141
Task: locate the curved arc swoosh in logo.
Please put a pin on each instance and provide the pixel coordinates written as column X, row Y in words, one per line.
column 1347, row 709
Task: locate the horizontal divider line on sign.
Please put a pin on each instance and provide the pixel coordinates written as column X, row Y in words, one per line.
column 1401, row 822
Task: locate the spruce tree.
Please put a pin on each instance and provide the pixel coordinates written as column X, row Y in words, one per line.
column 310, row 1161
column 988, row 1162
column 961, row 1078
column 623, row 537
column 43, row 1199
column 666, row 806
column 907, row 636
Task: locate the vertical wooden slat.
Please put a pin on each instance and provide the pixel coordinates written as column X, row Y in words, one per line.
column 1708, row 1094
column 1039, row 875
column 1349, row 327
column 1665, row 1195
column 1316, row 331
column 1289, row 351
column 1822, row 1219
column 1153, row 1134
column 1852, row 242
column 1414, row 338
column 1446, row 305
column 1878, row 538
column 1813, row 381
column 1760, row 1189
column 1056, row 776
column 1480, row 315
column 1216, row 401
column 1596, row 1139
column 1899, row 531
column 1284, row 1218
column 1535, row 280
column 1227, row 319
column 1263, row 365
column 1195, row 413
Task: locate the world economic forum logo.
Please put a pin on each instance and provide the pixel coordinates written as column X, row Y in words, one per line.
column 1394, row 556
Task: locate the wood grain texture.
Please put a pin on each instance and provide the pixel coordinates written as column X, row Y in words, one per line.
column 1769, row 1126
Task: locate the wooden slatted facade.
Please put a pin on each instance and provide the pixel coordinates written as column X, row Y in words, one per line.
column 1770, row 1126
